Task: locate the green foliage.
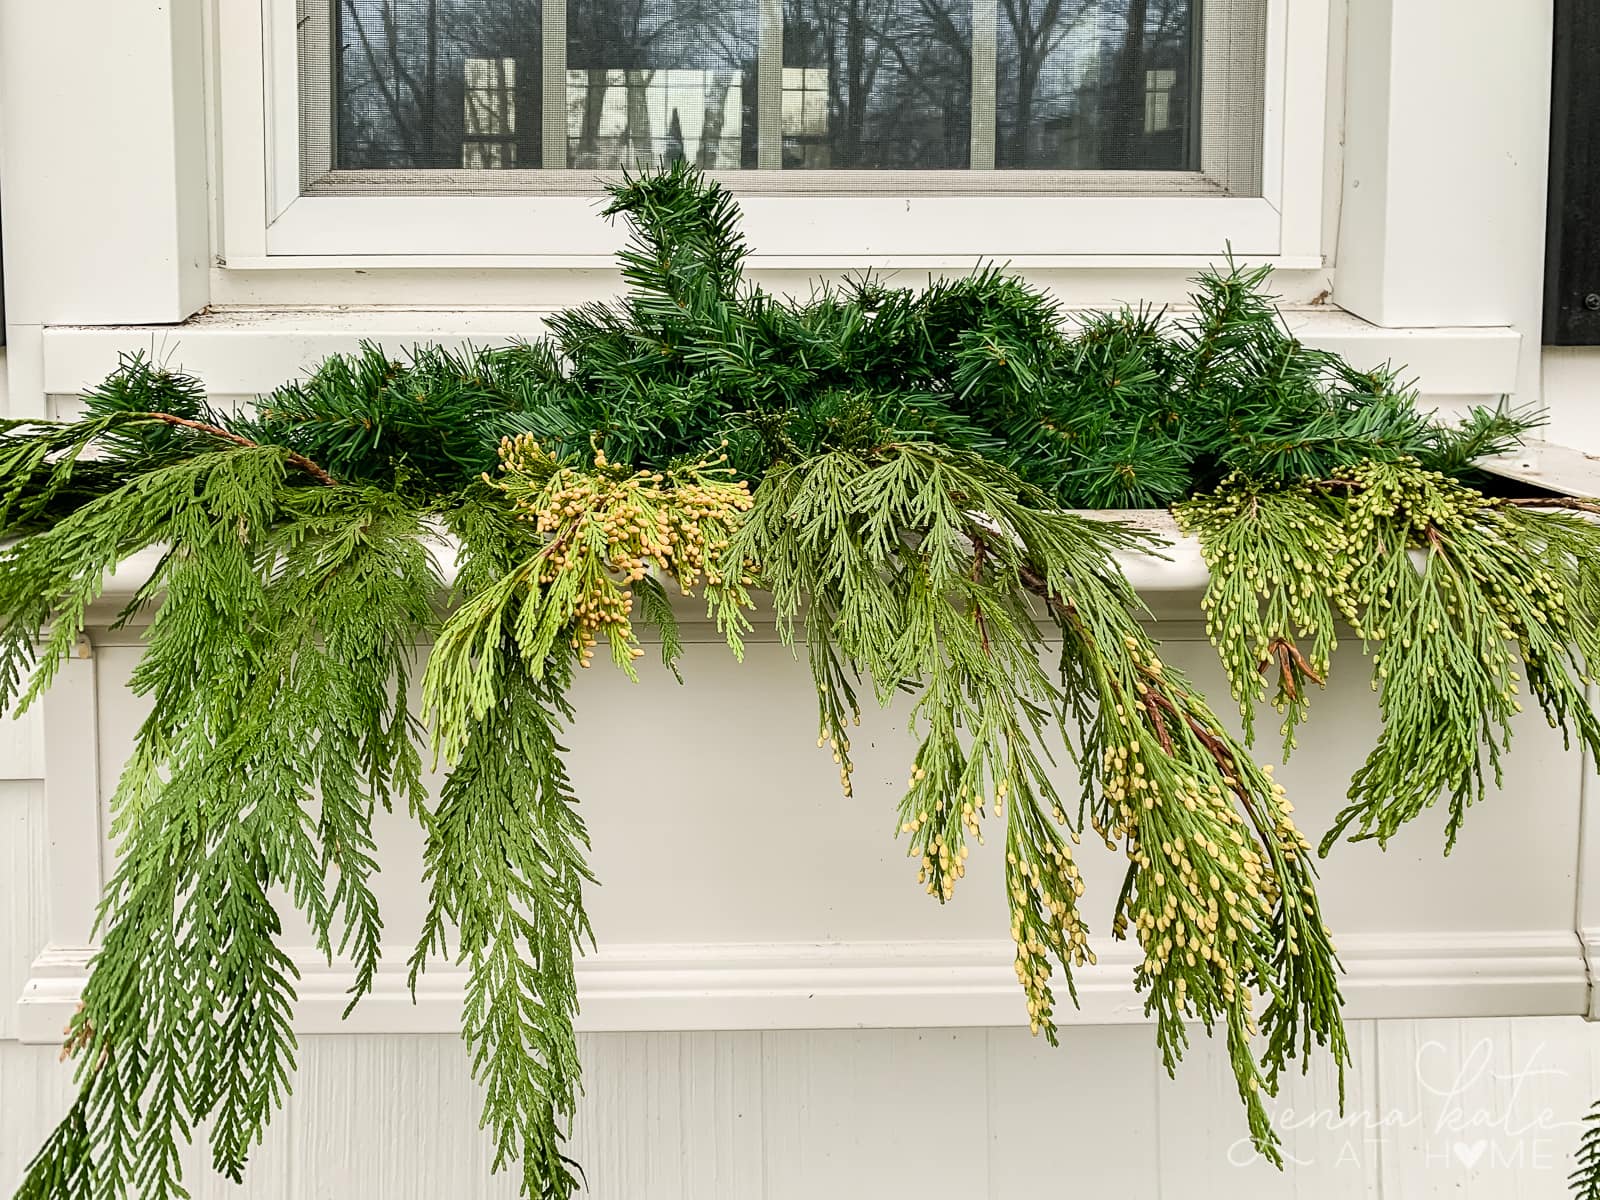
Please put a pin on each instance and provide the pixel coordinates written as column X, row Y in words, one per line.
column 597, row 533
column 1278, row 564
column 890, row 464
column 1451, row 592
column 920, row 567
column 428, row 424
column 275, row 667
column 505, row 868
column 1584, row 1182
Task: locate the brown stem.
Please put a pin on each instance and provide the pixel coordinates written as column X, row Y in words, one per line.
column 1305, row 667
column 1155, row 701
column 1157, row 722
column 978, row 549
column 1577, row 503
column 216, row 431
column 1291, row 664
column 1286, row 670
column 1573, row 502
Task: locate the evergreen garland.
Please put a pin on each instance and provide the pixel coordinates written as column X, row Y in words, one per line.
column 893, row 467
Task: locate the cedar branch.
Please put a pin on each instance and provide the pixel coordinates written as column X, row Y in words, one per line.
column 216, row 431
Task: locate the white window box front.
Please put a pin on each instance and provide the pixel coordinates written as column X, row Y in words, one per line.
column 742, row 891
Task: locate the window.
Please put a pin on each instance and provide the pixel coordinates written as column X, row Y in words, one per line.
column 857, row 133
column 521, row 95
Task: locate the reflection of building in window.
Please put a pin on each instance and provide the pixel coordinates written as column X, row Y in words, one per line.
column 644, row 117
column 1158, row 87
column 491, row 113
column 805, row 117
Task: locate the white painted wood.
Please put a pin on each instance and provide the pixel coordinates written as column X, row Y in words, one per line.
column 24, row 920
column 861, row 1113
column 357, row 285
column 75, row 802
column 1204, row 1148
column 24, row 370
column 1077, row 1120
column 876, row 231
column 1443, row 204
column 716, row 985
column 875, row 1114
column 1485, row 1110
column 852, row 941
column 245, row 352
column 1444, row 193
column 1552, row 467
column 1297, row 91
column 22, row 745
column 103, row 154
column 676, row 1116
column 1570, row 392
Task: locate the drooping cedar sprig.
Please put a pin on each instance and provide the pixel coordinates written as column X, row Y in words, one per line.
column 276, row 665
column 1456, row 596
column 1279, row 566
column 919, row 566
column 597, row 533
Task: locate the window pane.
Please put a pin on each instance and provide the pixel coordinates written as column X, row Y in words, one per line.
column 661, row 80
column 1041, row 85
column 1094, row 84
column 880, row 84
column 436, row 83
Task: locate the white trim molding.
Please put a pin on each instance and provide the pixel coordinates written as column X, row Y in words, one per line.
column 880, row 985
column 250, row 351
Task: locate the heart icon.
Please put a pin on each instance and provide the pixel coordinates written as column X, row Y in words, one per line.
column 1469, row 1154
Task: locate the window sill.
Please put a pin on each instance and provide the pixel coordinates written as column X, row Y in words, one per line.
column 249, row 351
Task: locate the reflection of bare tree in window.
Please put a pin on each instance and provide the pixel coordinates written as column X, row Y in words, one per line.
column 898, row 79
column 1074, row 77
column 401, row 77
column 1034, row 34
column 1127, row 113
column 866, row 84
column 711, row 121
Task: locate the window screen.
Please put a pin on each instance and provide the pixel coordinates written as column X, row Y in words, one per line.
column 517, row 94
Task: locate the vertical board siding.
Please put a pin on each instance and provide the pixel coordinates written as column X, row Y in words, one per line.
column 22, row 741
column 896, row 1112
column 23, row 909
column 1481, row 1110
column 1484, row 1110
column 671, row 1115
column 1081, row 1120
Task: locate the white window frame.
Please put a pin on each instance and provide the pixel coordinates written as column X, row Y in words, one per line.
column 266, row 221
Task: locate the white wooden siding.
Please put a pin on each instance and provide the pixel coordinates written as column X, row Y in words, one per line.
column 1476, row 1109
